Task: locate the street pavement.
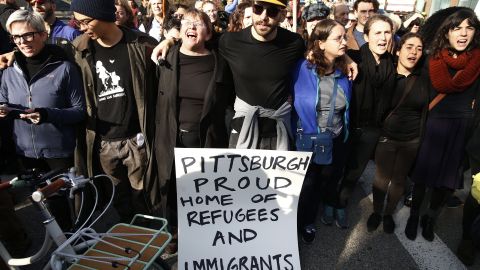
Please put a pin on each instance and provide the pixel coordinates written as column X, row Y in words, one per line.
column 353, row 248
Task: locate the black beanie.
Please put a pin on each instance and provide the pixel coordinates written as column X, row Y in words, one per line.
column 102, row 10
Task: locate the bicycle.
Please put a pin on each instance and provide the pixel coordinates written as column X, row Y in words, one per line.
column 124, row 246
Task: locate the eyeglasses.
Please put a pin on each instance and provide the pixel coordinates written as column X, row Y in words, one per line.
column 272, row 12
column 196, row 24
column 177, row 16
column 80, row 23
column 27, row 37
column 339, row 39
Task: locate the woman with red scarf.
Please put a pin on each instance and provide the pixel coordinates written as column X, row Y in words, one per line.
column 454, row 69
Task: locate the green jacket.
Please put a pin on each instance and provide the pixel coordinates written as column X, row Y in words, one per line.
column 145, row 85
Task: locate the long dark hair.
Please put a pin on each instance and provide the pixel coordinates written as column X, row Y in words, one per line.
column 441, row 37
column 235, row 23
column 315, row 56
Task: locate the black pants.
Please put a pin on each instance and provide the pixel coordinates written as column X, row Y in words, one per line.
column 393, row 161
column 362, row 146
column 321, row 184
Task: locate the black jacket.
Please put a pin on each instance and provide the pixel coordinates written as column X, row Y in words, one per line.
column 212, row 124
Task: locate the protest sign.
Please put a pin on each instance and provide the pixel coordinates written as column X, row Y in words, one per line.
column 237, row 208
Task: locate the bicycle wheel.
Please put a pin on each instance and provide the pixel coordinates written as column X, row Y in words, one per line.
column 159, row 264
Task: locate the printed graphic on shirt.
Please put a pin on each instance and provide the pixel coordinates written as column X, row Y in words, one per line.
column 110, row 81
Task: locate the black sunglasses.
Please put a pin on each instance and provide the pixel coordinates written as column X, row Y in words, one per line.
column 272, row 12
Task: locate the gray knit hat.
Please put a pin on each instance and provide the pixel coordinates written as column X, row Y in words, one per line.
column 315, row 10
column 102, row 10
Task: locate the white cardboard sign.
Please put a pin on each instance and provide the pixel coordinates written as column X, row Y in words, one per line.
column 237, row 208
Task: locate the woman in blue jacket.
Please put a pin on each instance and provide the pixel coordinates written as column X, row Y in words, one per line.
column 321, row 100
column 44, row 92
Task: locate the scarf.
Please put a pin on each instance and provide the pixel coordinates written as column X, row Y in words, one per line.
column 466, row 67
column 372, row 89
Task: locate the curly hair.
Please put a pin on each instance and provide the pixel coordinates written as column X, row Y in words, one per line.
column 128, row 10
column 235, row 22
column 441, row 37
column 316, row 56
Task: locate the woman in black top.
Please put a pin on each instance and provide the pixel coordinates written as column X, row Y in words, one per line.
column 400, row 139
column 371, row 99
column 190, row 107
column 454, row 73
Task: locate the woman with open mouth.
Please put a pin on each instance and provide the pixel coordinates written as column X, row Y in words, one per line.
column 190, row 107
column 398, row 144
column 371, row 101
column 453, row 70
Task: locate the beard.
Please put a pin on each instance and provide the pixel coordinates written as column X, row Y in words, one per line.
column 263, row 28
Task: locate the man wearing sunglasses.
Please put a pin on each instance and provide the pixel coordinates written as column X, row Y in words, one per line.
column 59, row 32
column 261, row 58
column 120, row 87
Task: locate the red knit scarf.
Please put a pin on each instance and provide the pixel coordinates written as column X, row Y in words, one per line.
column 466, row 64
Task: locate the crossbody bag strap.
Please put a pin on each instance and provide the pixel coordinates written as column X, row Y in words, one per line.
column 332, row 102
column 436, row 100
column 409, row 87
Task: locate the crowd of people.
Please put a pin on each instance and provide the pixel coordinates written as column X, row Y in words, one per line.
column 101, row 94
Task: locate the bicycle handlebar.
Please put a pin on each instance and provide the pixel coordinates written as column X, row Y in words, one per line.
column 48, row 190
column 5, row 185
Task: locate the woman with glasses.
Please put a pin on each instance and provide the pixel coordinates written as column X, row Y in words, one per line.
column 190, row 107
column 321, row 99
column 397, row 148
column 43, row 93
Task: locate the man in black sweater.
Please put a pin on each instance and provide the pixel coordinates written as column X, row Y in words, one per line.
column 261, row 58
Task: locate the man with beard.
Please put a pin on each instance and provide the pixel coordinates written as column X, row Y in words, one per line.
column 58, row 31
column 261, row 57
